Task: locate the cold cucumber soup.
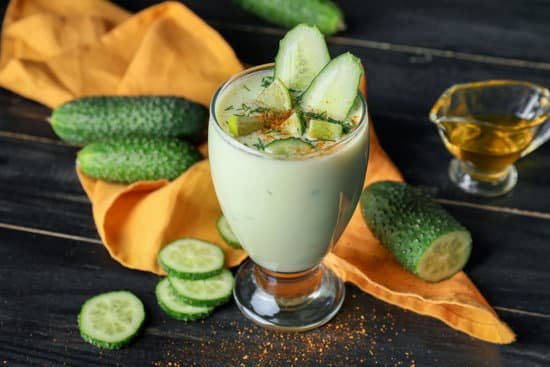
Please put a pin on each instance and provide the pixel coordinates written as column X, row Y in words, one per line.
column 286, row 204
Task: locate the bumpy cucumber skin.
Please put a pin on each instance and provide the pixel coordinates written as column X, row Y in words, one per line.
column 178, row 315
column 326, row 15
column 134, row 159
column 107, row 345
column 91, row 119
column 229, row 241
column 405, row 220
column 201, row 302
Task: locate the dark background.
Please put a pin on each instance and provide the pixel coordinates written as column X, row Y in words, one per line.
column 51, row 258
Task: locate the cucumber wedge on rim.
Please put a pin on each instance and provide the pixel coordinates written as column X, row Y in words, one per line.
column 421, row 235
column 111, row 320
column 174, row 307
column 333, row 91
column 227, row 233
column 189, row 258
column 275, row 97
column 209, row 292
column 302, row 54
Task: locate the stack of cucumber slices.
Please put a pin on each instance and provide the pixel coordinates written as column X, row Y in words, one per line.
column 315, row 94
column 196, row 284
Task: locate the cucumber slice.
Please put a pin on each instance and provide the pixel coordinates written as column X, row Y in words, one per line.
column 244, row 125
column 111, row 320
column 293, row 125
column 189, row 258
column 333, row 92
column 227, row 233
column 275, row 97
column 288, row 146
column 174, row 307
column 209, row 292
column 302, row 54
column 422, row 236
column 324, row 130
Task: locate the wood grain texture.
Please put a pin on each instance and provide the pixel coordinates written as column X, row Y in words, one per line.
column 40, row 300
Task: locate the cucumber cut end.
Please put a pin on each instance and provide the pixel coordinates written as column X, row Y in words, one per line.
column 244, row 125
column 208, row 292
column 446, row 256
column 174, row 307
column 288, row 147
column 293, row 125
column 324, row 130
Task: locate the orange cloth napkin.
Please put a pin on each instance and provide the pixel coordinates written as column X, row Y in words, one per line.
column 53, row 51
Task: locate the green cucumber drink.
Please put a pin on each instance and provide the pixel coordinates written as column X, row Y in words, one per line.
column 288, row 165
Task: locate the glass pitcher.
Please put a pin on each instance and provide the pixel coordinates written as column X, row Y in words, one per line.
column 487, row 126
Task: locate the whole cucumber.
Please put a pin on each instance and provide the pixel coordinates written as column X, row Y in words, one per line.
column 422, row 236
column 133, row 159
column 326, row 15
column 90, row 119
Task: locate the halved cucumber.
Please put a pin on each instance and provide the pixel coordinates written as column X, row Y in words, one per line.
column 209, row 292
column 422, row 236
column 302, row 54
column 174, row 307
column 227, row 233
column 111, row 320
column 288, row 146
column 275, row 97
column 189, row 258
column 324, row 130
column 293, row 125
column 333, row 91
column 244, row 125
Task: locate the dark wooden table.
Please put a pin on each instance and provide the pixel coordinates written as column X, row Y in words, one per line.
column 51, row 258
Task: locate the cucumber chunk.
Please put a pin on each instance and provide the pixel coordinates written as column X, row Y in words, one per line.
column 174, row 307
column 324, row 130
column 189, row 258
column 288, row 146
column 333, row 91
column 244, row 125
column 275, row 97
column 111, row 320
column 293, row 125
column 302, row 54
column 422, row 236
column 209, row 292
column 227, row 233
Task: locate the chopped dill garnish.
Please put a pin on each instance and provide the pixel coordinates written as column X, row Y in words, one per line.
column 257, row 110
column 260, row 145
column 246, row 87
column 228, row 108
column 266, row 80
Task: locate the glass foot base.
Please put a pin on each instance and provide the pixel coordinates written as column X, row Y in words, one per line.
column 464, row 176
column 288, row 301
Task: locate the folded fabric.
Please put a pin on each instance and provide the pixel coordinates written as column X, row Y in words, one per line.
column 55, row 51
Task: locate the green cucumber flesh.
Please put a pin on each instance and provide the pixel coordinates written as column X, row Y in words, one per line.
column 91, row 119
column 333, row 91
column 189, row 258
column 134, row 159
column 172, row 305
column 111, row 320
column 324, row 130
column 293, row 125
column 209, row 292
column 421, row 235
column 275, row 97
column 325, row 14
column 302, row 54
column 288, row 147
column 227, row 233
column 244, row 125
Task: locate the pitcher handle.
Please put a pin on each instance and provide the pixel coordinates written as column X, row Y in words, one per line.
column 543, row 136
